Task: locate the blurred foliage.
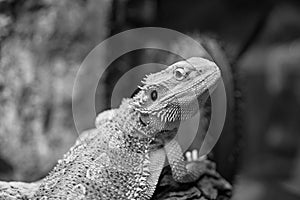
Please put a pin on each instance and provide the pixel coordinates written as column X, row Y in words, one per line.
column 42, row 46
column 271, row 83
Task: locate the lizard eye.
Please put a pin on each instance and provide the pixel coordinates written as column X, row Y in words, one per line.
column 179, row 74
column 154, row 95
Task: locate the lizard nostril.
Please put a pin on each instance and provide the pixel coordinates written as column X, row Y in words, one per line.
column 179, row 74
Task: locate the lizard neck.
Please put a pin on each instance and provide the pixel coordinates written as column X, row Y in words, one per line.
column 130, row 120
column 137, row 126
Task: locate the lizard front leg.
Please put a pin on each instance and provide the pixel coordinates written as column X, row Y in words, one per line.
column 183, row 171
column 156, row 164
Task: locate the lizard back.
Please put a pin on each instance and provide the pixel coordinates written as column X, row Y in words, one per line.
column 111, row 162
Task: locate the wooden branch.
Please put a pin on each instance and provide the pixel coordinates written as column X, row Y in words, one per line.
column 210, row 186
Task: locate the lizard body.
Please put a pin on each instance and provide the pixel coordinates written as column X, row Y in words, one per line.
column 123, row 157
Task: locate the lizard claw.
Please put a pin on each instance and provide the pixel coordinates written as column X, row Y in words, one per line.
column 193, row 155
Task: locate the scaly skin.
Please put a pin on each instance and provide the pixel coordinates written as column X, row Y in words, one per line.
column 123, row 157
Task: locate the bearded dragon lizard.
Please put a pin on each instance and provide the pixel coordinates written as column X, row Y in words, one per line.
column 124, row 156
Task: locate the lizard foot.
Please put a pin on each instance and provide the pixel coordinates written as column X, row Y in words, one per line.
column 194, row 156
column 199, row 165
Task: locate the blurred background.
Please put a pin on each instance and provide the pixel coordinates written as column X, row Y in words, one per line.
column 255, row 43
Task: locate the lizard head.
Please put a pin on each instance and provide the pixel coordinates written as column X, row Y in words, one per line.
column 174, row 94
